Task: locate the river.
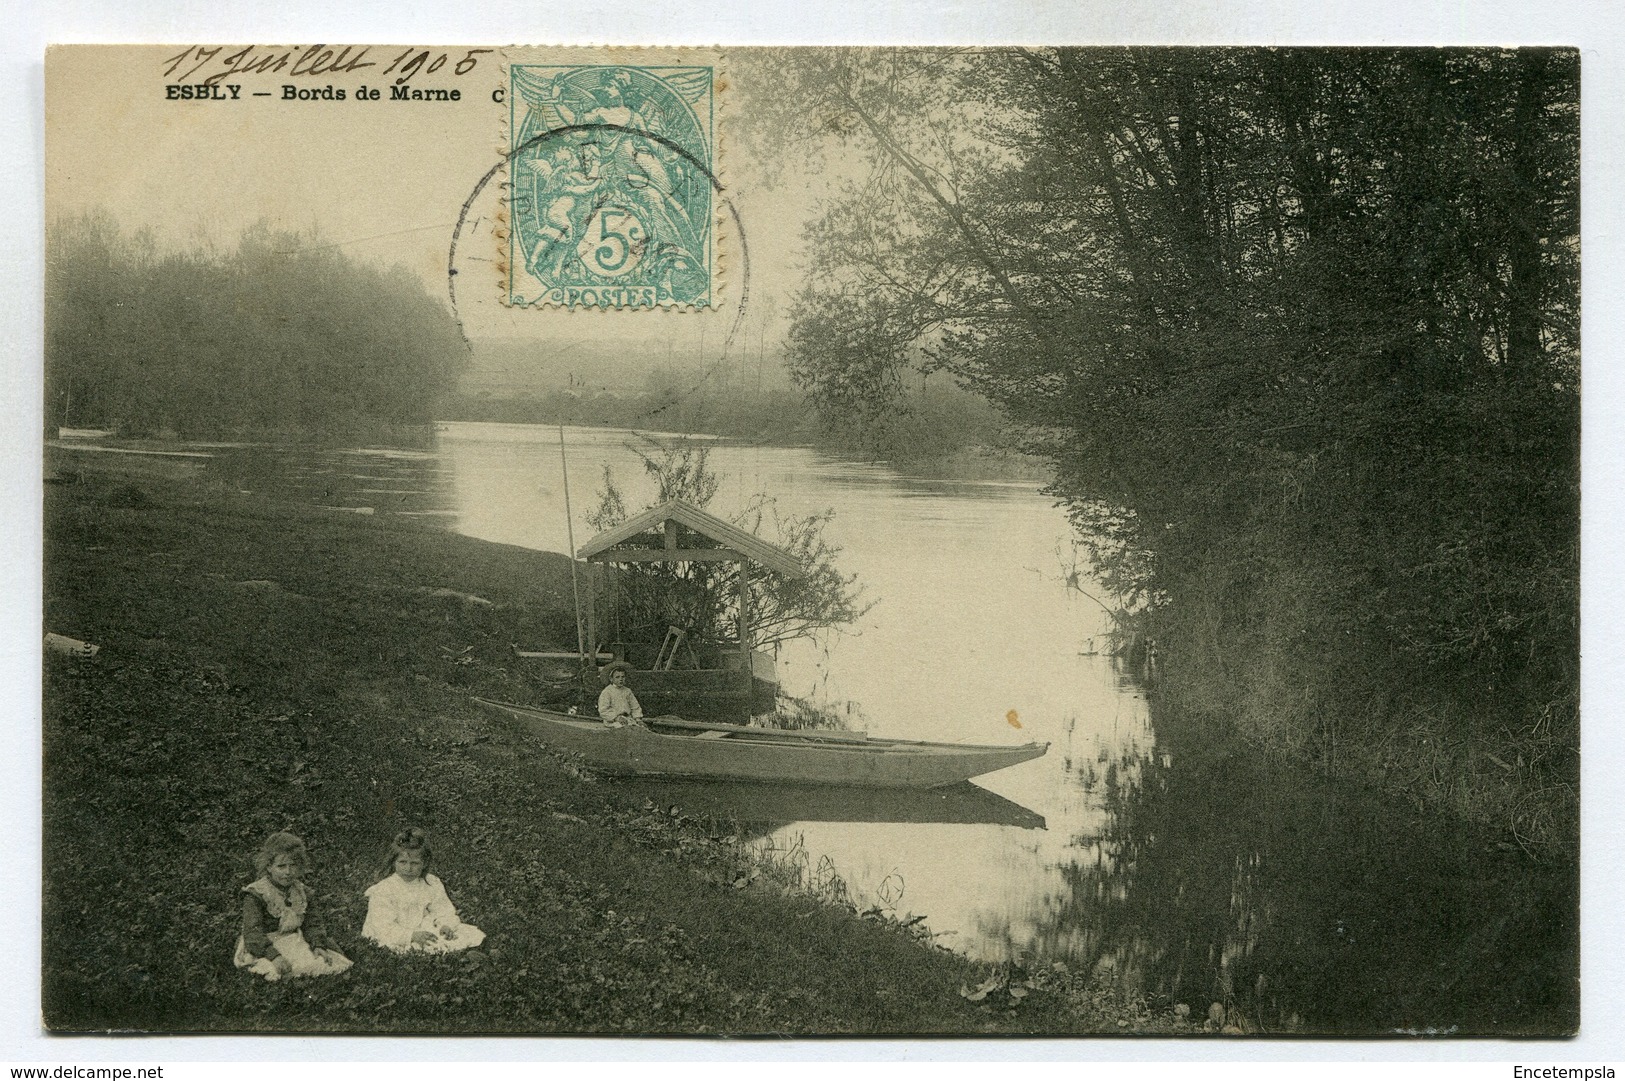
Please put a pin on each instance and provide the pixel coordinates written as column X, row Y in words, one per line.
column 1140, row 844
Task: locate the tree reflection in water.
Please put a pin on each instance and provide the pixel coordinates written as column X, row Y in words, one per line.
column 1304, row 905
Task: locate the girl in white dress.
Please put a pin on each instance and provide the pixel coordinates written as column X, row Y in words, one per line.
column 409, row 910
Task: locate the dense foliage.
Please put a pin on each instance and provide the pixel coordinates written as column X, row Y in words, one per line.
column 1298, row 330
column 282, row 335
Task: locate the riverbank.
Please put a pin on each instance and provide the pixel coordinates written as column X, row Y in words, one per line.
column 1479, row 753
column 943, row 433
column 264, row 666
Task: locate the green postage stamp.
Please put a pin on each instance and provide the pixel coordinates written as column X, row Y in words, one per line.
column 611, row 186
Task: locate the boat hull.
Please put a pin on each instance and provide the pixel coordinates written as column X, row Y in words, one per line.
column 733, row 753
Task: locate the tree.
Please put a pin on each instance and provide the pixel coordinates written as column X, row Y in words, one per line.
column 284, row 335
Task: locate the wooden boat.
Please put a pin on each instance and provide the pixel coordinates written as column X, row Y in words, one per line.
column 673, row 747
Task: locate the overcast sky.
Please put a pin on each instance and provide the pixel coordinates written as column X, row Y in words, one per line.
column 385, row 181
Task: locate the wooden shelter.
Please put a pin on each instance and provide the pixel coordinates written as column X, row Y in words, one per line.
column 739, row 680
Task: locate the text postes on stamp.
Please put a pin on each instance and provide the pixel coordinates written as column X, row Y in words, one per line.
column 610, row 186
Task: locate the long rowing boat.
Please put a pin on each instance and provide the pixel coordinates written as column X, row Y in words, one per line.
column 673, row 747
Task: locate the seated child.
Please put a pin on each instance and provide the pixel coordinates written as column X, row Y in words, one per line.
column 617, row 705
column 409, row 910
column 280, row 925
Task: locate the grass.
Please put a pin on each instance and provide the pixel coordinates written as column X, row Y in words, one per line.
column 268, row 667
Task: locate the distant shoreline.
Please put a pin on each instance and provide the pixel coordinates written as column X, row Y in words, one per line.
column 971, row 462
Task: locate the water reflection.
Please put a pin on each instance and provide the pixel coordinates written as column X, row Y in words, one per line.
column 375, row 480
column 1303, row 905
column 775, row 805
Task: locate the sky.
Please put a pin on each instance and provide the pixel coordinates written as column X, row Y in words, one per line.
column 386, row 181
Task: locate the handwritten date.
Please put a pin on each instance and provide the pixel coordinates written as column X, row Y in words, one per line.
column 226, row 61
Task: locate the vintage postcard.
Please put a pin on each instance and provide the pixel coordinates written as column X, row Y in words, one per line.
column 1045, row 541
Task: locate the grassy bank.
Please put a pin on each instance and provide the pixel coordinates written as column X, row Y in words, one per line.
column 265, row 667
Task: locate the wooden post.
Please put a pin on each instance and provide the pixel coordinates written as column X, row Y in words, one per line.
column 570, row 532
column 744, row 611
column 592, row 611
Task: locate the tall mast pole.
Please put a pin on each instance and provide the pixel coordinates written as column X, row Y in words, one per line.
column 570, row 533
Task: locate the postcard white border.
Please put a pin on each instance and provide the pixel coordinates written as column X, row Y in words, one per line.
column 1593, row 26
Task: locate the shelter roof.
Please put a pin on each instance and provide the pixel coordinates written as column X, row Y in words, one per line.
column 725, row 535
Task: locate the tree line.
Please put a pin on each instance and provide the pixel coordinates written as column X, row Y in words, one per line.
column 1298, row 331
column 930, row 420
column 282, row 335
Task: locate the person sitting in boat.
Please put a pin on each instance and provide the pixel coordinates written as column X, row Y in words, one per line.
column 617, row 705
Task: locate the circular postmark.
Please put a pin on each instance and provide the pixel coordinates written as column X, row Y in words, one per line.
column 616, row 240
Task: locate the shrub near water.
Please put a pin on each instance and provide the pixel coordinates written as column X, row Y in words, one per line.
column 1298, row 330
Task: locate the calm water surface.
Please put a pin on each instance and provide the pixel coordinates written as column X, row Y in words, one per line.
column 1182, row 863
